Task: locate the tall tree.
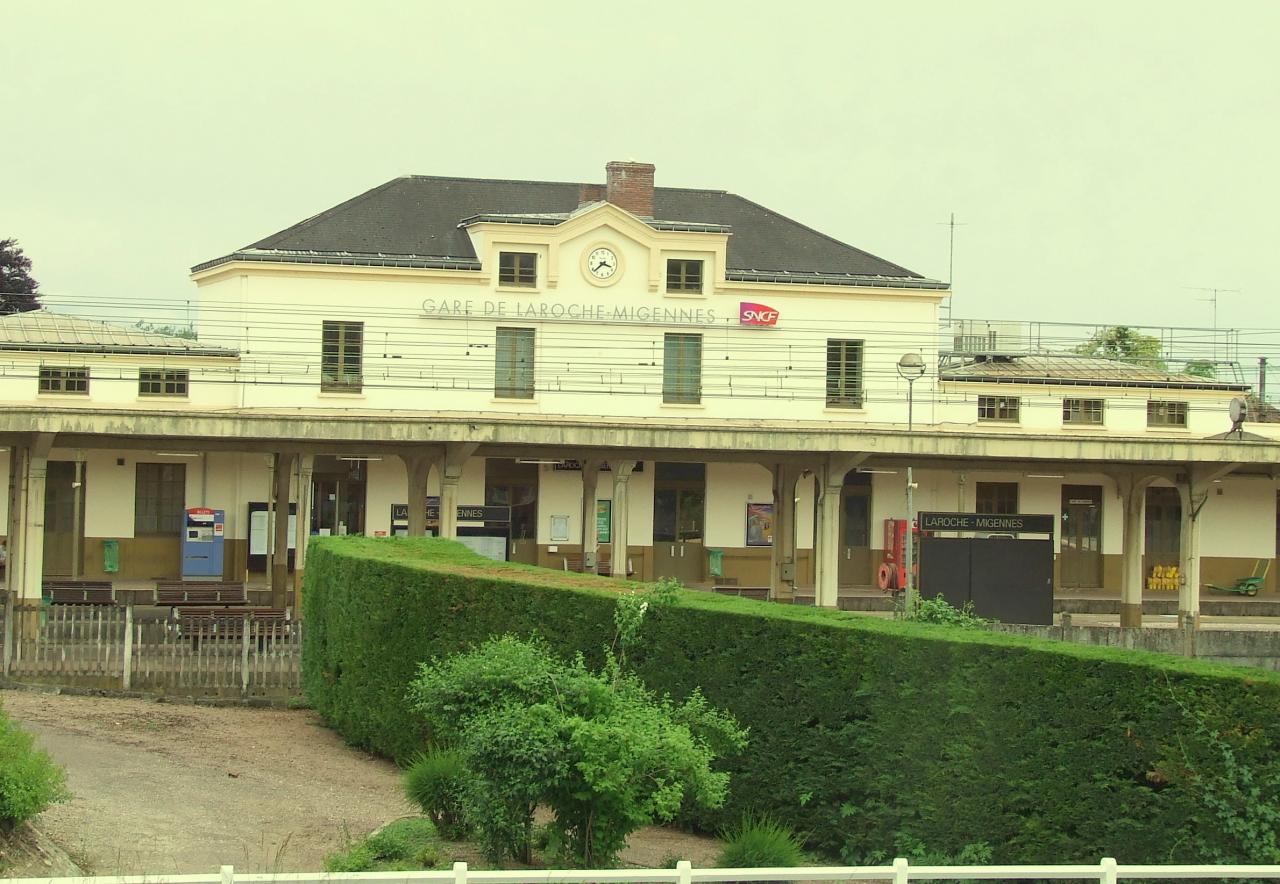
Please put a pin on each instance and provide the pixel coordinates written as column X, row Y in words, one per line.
column 17, row 288
column 1126, row 344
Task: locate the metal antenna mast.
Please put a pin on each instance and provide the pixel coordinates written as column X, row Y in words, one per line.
column 951, row 258
column 1213, row 299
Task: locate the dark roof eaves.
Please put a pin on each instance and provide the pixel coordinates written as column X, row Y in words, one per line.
column 407, row 261
column 118, row 350
column 1095, row 382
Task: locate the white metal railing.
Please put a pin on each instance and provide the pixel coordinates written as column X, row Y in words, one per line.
column 1108, row 871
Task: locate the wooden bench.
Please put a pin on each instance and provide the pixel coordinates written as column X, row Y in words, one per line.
column 604, row 567
column 194, row 593
column 78, row 592
column 759, row 593
column 228, row 623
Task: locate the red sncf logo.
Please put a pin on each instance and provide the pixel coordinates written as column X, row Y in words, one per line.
column 756, row 314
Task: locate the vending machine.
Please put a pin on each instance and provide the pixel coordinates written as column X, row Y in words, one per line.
column 202, row 543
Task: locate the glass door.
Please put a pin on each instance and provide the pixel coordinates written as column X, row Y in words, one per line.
column 1080, row 555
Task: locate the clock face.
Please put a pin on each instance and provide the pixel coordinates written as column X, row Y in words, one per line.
column 602, row 263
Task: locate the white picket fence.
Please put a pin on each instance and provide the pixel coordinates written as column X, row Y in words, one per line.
column 1108, row 871
column 105, row 646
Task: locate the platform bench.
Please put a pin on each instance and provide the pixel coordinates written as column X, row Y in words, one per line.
column 604, row 567
column 212, row 594
column 759, row 593
column 78, row 592
column 228, row 623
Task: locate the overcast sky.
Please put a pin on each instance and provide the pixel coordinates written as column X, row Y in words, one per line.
column 1106, row 159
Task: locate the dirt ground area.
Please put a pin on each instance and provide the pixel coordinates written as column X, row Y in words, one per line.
column 169, row 788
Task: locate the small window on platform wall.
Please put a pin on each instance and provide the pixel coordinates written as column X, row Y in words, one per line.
column 162, row 382
column 1166, row 414
column 682, row 369
column 997, row 498
column 518, row 269
column 999, row 408
column 684, row 276
column 1082, row 411
column 513, row 363
column 341, row 356
column 844, row 373
column 58, row 379
column 160, row 498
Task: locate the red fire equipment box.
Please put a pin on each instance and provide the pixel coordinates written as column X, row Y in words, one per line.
column 892, row 576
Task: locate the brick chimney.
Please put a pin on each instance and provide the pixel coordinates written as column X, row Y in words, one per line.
column 629, row 185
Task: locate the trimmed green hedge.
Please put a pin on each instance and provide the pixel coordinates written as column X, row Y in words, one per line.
column 861, row 730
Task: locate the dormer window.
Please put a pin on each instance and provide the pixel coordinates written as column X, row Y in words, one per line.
column 518, row 269
column 684, row 276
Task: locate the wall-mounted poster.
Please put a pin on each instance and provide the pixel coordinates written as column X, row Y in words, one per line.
column 759, row 524
column 604, row 520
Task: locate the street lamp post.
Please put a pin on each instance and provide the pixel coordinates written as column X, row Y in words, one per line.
column 910, row 369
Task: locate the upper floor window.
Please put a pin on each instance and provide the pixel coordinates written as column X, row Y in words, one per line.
column 162, row 382
column 1166, row 414
column 997, row 498
column 1082, row 411
column 59, row 379
column 518, row 269
column 844, row 373
column 682, row 368
column 684, row 275
column 513, row 364
column 999, row 408
column 341, row 356
column 159, row 498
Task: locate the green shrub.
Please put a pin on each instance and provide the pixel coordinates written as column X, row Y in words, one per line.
column 760, row 841
column 29, row 780
column 1049, row 752
column 436, row 781
column 401, row 846
column 600, row 750
column 939, row 610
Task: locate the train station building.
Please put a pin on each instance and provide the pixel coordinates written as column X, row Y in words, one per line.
column 653, row 381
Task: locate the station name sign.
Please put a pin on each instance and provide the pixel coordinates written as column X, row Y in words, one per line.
column 749, row 314
column 1010, row 524
column 400, row 512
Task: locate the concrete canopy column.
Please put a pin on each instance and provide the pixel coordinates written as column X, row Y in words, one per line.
column 621, row 506
column 306, row 467
column 32, row 559
column 827, row 533
column 1133, row 504
column 782, row 566
column 16, row 533
column 417, row 467
column 590, row 534
column 1193, row 491
column 283, row 476
column 456, row 455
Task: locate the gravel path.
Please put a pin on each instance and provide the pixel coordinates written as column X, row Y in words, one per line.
column 181, row 789
column 169, row 788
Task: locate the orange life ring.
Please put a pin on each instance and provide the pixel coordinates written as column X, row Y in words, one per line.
column 884, row 577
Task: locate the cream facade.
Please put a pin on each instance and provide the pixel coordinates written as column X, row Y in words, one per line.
column 504, row 358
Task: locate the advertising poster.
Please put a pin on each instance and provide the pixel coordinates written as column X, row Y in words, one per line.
column 759, row 524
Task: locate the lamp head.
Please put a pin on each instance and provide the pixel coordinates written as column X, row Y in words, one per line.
column 911, row 366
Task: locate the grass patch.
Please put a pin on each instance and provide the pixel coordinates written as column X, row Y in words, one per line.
column 406, row 845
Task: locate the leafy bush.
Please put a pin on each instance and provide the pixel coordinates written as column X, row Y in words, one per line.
column 402, row 846
column 1049, row 752
column 599, row 749
column 760, row 841
column 436, row 781
column 939, row 610
column 29, row 780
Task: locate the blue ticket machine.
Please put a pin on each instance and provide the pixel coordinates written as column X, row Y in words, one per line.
column 202, row 544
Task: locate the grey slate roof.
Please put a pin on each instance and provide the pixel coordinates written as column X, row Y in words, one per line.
column 40, row 330
column 415, row 221
column 1063, row 369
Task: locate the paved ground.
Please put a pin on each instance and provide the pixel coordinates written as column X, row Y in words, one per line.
column 182, row 789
